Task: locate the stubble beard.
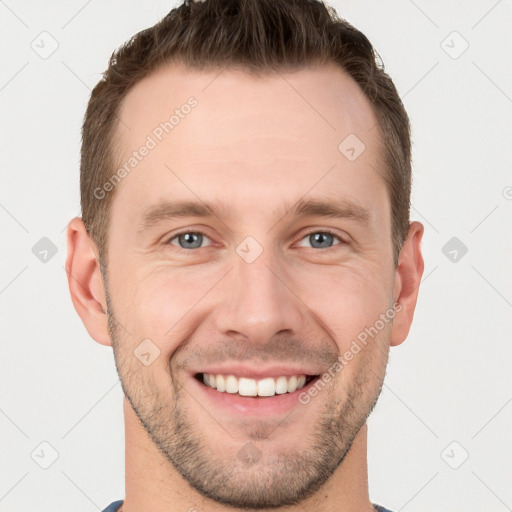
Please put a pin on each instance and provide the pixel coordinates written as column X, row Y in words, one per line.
column 277, row 479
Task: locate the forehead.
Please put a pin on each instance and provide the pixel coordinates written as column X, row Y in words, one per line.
column 213, row 133
column 313, row 102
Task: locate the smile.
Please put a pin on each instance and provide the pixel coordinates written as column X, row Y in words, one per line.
column 265, row 387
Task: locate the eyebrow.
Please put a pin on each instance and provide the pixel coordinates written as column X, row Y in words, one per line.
column 328, row 208
column 331, row 208
column 181, row 209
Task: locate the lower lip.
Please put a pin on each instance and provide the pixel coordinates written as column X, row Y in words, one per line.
column 272, row 405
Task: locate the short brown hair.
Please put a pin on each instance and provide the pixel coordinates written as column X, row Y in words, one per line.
column 260, row 36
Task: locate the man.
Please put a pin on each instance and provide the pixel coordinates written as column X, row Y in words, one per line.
column 246, row 249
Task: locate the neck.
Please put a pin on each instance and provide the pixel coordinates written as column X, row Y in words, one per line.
column 153, row 484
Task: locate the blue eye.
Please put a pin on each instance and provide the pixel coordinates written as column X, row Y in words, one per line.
column 189, row 240
column 321, row 239
column 196, row 240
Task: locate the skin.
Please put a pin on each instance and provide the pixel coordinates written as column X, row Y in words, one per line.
column 258, row 146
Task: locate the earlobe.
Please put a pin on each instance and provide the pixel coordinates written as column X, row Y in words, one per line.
column 407, row 281
column 85, row 281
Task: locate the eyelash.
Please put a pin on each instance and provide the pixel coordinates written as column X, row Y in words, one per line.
column 324, row 232
column 197, row 232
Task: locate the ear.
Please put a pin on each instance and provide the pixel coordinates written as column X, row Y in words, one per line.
column 85, row 281
column 407, row 282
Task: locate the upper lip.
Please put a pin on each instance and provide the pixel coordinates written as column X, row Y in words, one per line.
column 251, row 371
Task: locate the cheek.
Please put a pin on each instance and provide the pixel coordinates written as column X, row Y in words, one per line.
column 157, row 305
column 165, row 304
column 348, row 300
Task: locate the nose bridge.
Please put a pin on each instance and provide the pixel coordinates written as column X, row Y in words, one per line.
column 257, row 303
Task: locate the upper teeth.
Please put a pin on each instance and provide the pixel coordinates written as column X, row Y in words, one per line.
column 251, row 387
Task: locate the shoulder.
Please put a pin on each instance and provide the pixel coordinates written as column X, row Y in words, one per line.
column 113, row 506
column 379, row 508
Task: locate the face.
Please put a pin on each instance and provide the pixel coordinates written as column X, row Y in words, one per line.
column 249, row 252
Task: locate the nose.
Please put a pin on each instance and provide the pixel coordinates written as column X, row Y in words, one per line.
column 258, row 301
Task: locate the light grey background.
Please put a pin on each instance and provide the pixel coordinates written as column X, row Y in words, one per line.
column 448, row 391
